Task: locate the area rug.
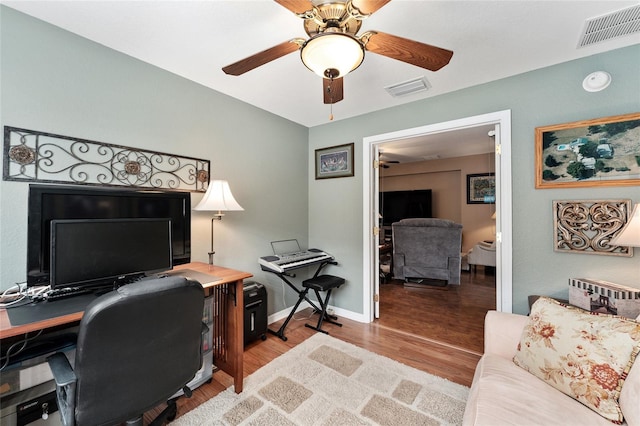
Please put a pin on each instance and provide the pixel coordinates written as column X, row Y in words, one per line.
column 325, row 381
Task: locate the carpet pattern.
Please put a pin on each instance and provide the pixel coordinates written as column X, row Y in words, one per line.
column 325, row 381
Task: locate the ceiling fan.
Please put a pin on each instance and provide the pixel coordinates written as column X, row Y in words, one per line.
column 334, row 49
column 384, row 162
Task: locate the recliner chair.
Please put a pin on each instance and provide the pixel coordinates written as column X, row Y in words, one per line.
column 482, row 253
column 427, row 249
column 137, row 346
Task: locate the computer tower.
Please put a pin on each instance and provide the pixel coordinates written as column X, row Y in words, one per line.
column 255, row 312
column 206, row 369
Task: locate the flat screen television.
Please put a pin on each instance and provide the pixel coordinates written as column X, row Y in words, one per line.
column 397, row 205
column 49, row 202
column 93, row 252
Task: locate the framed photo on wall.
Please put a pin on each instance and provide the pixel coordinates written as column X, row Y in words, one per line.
column 334, row 161
column 599, row 152
column 481, row 188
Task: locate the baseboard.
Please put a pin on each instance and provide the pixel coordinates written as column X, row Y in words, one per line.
column 344, row 313
column 277, row 316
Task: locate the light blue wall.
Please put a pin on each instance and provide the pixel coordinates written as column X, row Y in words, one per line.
column 54, row 81
column 57, row 82
column 547, row 96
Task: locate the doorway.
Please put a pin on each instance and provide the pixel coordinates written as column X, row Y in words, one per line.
column 502, row 127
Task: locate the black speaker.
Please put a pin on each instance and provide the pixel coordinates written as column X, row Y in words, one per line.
column 255, row 312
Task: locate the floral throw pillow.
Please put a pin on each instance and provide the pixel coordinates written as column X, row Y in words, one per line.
column 584, row 355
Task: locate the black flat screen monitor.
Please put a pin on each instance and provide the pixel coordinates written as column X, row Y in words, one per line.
column 57, row 202
column 398, row 205
column 90, row 252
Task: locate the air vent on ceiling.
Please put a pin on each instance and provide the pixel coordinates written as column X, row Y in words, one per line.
column 612, row 25
column 409, row 87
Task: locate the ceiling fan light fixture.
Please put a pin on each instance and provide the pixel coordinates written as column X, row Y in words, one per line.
column 332, row 55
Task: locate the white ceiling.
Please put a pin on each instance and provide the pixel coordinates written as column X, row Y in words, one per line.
column 456, row 143
column 195, row 39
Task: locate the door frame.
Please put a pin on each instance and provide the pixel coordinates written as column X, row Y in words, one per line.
column 502, row 122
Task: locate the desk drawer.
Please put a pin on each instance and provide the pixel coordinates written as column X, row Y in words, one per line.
column 27, row 407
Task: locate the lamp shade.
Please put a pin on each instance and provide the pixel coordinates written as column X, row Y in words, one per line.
column 630, row 235
column 332, row 55
column 218, row 198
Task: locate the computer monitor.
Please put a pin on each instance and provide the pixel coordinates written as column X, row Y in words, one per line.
column 93, row 252
column 59, row 202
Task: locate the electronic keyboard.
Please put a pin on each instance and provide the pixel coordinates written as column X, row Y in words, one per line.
column 286, row 262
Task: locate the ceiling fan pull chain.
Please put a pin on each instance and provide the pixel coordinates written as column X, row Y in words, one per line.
column 331, row 99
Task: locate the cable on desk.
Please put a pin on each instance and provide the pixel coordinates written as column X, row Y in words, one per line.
column 19, row 293
column 11, row 293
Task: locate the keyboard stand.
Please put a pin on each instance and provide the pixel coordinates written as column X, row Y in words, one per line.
column 283, row 276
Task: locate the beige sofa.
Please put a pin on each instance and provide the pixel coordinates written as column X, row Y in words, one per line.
column 504, row 394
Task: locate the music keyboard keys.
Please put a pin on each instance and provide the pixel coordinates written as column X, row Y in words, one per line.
column 298, row 260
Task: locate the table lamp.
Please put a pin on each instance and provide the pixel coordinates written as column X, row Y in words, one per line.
column 630, row 234
column 217, row 198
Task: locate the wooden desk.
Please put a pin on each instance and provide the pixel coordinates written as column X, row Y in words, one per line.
column 230, row 355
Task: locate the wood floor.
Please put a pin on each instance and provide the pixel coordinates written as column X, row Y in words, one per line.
column 453, row 315
column 434, row 330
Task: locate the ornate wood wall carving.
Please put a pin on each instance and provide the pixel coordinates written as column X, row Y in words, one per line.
column 44, row 157
column 587, row 226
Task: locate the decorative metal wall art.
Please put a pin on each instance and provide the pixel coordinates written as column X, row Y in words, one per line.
column 44, row 157
column 587, row 226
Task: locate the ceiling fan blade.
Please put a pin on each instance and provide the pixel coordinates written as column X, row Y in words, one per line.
column 412, row 52
column 333, row 90
column 367, row 7
column 261, row 58
column 296, row 6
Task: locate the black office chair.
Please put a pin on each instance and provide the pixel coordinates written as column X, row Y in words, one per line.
column 137, row 346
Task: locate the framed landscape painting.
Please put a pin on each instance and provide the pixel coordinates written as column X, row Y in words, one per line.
column 481, row 188
column 599, row 152
column 334, row 161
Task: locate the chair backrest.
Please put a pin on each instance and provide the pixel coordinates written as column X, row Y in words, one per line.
column 136, row 347
column 427, row 241
column 427, row 248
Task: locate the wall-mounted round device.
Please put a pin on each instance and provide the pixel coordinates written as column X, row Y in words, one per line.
column 596, row 81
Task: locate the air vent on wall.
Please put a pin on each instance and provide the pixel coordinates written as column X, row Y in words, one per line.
column 409, row 87
column 612, row 25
